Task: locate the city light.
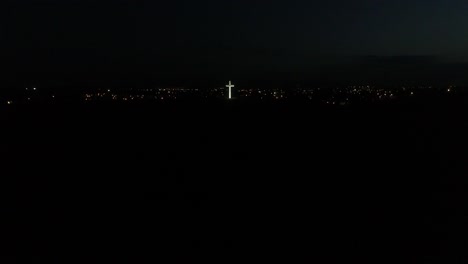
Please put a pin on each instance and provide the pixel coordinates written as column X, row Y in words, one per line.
column 333, row 95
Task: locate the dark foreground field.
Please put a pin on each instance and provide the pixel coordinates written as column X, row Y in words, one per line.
column 234, row 182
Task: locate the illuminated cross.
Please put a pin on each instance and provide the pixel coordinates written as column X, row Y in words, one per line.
column 230, row 86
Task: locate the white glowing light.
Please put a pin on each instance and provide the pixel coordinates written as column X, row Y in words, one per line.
column 230, row 86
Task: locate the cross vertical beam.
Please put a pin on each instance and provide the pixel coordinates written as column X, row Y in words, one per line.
column 230, row 86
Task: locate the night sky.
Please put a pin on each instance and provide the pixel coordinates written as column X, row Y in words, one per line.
column 84, row 39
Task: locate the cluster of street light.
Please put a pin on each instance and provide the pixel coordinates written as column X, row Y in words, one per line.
column 327, row 95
